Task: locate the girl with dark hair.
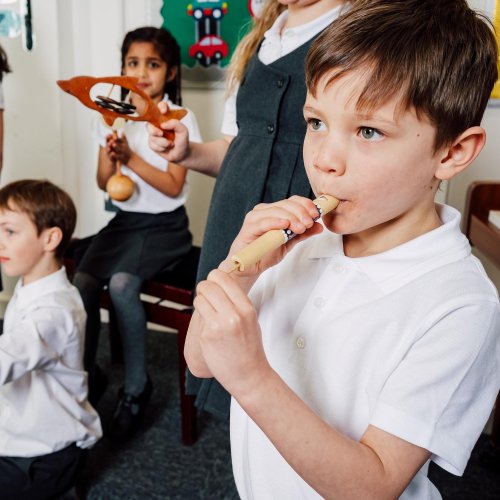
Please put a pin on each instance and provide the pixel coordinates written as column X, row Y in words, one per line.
column 149, row 231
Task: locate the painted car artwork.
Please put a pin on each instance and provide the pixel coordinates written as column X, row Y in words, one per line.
column 207, row 31
column 208, row 49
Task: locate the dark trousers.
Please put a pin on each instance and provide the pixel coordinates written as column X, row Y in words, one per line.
column 40, row 478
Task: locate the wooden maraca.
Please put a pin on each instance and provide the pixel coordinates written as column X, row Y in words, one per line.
column 120, row 187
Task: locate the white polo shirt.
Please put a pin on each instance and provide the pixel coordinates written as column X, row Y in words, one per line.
column 278, row 43
column 43, row 387
column 407, row 340
column 146, row 198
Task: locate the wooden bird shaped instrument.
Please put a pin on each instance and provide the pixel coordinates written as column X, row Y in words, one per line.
column 111, row 109
column 140, row 107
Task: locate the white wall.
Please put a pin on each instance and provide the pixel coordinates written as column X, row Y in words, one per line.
column 48, row 133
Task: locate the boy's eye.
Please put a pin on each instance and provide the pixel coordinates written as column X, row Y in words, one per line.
column 132, row 64
column 315, row 124
column 370, row 133
column 154, row 65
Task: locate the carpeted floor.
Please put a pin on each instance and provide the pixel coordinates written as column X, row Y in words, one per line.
column 155, row 465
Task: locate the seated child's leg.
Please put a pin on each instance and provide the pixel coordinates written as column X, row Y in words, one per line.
column 90, row 291
column 36, row 478
column 124, row 289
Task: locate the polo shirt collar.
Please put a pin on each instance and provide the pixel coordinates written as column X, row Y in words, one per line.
column 27, row 293
column 401, row 264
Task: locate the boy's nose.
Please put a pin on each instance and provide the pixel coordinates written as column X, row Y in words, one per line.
column 330, row 159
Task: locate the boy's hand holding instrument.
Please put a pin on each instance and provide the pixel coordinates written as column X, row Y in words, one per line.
column 273, row 239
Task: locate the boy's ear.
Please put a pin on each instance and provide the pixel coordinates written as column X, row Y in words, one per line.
column 461, row 153
column 51, row 238
column 172, row 73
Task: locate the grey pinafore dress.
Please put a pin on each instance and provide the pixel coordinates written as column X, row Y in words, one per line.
column 263, row 164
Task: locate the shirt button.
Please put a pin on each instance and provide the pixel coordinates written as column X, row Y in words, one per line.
column 280, row 83
column 338, row 268
column 319, row 302
column 270, row 128
column 300, row 342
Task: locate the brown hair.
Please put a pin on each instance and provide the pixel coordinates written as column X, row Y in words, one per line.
column 4, row 63
column 46, row 204
column 438, row 56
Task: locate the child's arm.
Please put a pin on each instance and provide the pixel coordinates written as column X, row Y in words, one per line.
column 23, row 350
column 168, row 182
column 204, row 158
column 380, row 465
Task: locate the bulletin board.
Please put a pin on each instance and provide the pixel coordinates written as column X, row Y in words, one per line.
column 207, row 32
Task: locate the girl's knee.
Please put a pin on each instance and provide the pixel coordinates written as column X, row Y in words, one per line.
column 125, row 285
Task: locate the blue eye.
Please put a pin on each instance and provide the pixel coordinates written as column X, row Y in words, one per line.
column 370, row 133
column 315, row 124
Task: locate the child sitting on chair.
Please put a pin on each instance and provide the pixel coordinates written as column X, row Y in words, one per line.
column 373, row 347
column 46, row 422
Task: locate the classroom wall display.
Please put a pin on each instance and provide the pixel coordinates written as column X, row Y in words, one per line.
column 208, row 32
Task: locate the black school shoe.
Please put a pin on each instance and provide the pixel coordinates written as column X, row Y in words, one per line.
column 128, row 413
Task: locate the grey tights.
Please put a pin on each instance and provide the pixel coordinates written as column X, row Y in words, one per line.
column 124, row 290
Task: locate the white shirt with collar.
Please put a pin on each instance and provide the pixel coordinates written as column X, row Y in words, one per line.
column 43, row 387
column 278, row 43
column 146, row 198
column 407, row 341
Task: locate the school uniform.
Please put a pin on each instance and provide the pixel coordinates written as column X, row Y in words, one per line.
column 46, row 420
column 264, row 161
column 407, row 340
column 150, row 230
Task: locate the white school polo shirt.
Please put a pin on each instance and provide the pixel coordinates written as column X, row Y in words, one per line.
column 43, row 387
column 406, row 340
column 146, row 198
column 277, row 44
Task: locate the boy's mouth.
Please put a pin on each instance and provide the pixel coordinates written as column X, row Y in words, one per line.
column 3, row 259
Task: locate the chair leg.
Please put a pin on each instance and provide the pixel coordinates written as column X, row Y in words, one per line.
column 188, row 408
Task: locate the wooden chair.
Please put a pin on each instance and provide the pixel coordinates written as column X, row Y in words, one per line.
column 168, row 302
column 482, row 197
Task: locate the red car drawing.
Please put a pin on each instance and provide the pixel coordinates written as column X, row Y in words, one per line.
column 210, row 46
